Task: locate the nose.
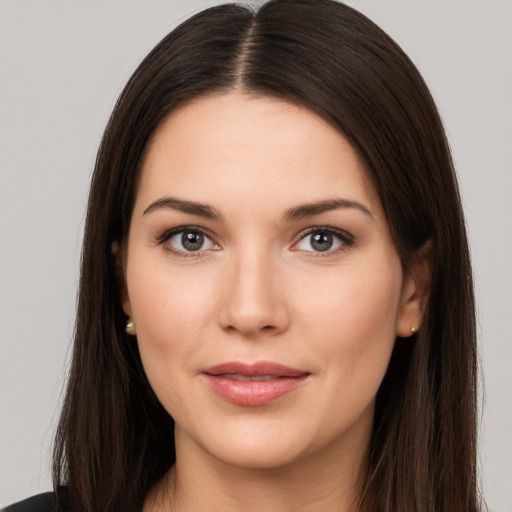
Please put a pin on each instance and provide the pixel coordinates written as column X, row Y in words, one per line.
column 252, row 300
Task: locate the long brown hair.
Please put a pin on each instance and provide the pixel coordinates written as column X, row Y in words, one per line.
column 114, row 439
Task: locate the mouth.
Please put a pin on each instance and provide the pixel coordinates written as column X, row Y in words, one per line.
column 252, row 385
column 247, row 378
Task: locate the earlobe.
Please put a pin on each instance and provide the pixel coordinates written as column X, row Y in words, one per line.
column 415, row 292
column 120, row 272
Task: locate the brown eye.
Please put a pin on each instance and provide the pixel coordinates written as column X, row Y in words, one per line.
column 192, row 240
column 187, row 240
column 321, row 241
column 318, row 240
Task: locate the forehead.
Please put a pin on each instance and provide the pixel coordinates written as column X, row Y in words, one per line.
column 237, row 146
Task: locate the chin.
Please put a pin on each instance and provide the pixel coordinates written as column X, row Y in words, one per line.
column 259, row 455
column 260, row 445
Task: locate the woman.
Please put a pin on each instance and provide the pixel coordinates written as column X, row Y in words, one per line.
column 275, row 269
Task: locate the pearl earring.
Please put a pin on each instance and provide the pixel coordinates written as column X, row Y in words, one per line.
column 130, row 327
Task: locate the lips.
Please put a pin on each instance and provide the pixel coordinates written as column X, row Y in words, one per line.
column 253, row 385
column 248, row 378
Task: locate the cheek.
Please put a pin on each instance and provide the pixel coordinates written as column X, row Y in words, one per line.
column 358, row 303
column 169, row 308
column 352, row 321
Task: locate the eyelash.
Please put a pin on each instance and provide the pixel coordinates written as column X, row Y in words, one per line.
column 167, row 235
column 345, row 239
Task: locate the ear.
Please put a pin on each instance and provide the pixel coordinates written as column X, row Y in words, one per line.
column 120, row 271
column 415, row 292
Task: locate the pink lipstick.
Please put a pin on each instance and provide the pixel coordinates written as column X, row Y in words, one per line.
column 253, row 385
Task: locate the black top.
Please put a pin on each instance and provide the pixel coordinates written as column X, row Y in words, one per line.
column 40, row 503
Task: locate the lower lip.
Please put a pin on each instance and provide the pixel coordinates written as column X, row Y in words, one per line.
column 251, row 393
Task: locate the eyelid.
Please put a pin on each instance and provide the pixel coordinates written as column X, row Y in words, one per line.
column 346, row 239
column 169, row 233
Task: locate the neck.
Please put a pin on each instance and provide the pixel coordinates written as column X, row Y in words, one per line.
column 328, row 481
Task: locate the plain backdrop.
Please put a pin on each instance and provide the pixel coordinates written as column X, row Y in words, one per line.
column 63, row 64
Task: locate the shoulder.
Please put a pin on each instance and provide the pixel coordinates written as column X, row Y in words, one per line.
column 41, row 503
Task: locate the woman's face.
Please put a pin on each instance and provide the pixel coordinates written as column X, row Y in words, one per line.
column 263, row 282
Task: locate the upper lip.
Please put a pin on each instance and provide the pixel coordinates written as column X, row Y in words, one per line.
column 254, row 370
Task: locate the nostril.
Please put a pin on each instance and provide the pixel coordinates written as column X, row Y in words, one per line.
column 250, row 304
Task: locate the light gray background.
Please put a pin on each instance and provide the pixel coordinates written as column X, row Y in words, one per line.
column 63, row 64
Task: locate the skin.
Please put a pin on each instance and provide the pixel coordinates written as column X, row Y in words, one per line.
column 257, row 290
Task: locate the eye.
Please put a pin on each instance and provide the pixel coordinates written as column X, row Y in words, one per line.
column 322, row 240
column 187, row 240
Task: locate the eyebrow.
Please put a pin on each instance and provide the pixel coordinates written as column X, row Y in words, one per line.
column 311, row 209
column 199, row 209
column 295, row 213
